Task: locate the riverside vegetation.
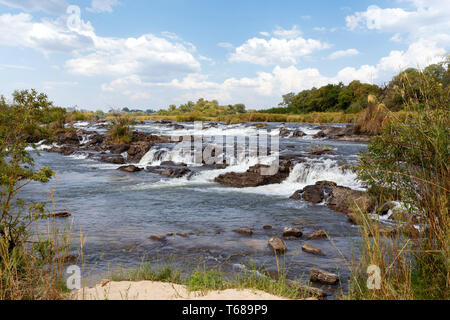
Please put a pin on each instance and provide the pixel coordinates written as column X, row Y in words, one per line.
column 407, row 161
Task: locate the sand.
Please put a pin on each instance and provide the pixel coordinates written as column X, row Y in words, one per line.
column 150, row 290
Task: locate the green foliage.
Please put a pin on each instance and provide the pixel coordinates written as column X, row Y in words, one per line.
column 202, row 108
column 121, row 130
column 410, row 162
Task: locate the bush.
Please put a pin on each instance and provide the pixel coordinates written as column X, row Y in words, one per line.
column 120, row 130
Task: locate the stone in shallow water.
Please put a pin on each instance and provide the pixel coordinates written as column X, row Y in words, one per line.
column 246, row 231
column 312, row 249
column 317, row 275
column 292, row 232
column 157, row 237
column 317, row 235
column 277, row 245
column 129, row 168
column 267, row 227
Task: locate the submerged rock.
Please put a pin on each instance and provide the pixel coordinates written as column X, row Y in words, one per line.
column 245, row 231
column 115, row 159
column 60, row 215
column 157, row 237
column 317, row 275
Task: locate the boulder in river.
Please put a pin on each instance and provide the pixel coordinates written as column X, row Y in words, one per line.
column 130, row 168
column 63, row 214
column 115, row 159
column 317, row 275
column 66, row 136
column 312, row 249
column 320, row 234
column 277, row 245
column 253, row 176
column 157, row 237
column 292, row 232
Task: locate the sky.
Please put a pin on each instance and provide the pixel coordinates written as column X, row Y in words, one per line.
column 149, row 54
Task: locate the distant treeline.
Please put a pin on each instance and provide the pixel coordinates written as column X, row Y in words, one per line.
column 352, row 98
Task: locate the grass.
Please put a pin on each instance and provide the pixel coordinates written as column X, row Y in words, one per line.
column 120, row 130
column 203, row 280
column 408, row 162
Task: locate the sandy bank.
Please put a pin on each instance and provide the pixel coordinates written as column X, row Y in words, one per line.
column 150, row 290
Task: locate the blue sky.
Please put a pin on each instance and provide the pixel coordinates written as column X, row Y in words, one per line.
column 150, row 54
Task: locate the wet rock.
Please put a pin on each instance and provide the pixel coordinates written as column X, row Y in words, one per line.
column 118, row 148
column 284, row 132
column 137, row 150
column 181, row 234
column 267, row 227
column 163, row 122
column 175, row 172
column 317, row 275
column 66, row 136
column 260, row 125
column 346, row 133
column 312, row 249
column 170, row 234
column 298, row 134
column 320, row 152
column 253, row 176
column 157, row 237
column 277, row 245
column 65, row 150
column 320, row 234
column 130, row 168
column 245, row 231
column 115, row 159
column 292, row 232
column 60, row 215
column 340, row 199
column 173, row 164
column 94, row 140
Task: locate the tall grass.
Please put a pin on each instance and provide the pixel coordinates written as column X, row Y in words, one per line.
column 121, row 130
column 408, row 161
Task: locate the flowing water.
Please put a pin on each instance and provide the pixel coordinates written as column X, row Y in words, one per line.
column 117, row 211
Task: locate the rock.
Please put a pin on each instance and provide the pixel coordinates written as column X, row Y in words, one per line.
column 118, row 148
column 320, row 152
column 181, row 234
column 66, row 136
column 305, row 290
column 115, row 159
column 260, row 125
column 320, row 234
column 246, row 231
column 165, row 171
column 326, row 183
column 292, row 232
column 253, row 177
column 173, row 164
column 344, row 199
column 277, row 245
column 130, row 168
column 317, row 275
column 60, row 215
column 267, row 227
column 298, row 133
column 157, row 237
column 137, row 150
column 312, row 249
column 170, row 234
column 284, row 132
column 96, row 139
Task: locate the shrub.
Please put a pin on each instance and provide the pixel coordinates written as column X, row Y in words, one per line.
column 121, row 130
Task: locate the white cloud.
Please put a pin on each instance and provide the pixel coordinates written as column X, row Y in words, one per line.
column 225, row 45
column 46, row 36
column 49, row 6
column 94, row 55
column 343, row 53
column 285, row 48
column 428, row 20
column 293, row 33
column 102, row 6
column 17, row 67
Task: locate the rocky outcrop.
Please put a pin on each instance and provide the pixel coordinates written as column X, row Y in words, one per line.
column 137, row 150
column 346, row 133
column 317, row 275
column 170, row 172
column 277, row 245
column 338, row 198
column 253, row 176
column 66, row 137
